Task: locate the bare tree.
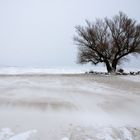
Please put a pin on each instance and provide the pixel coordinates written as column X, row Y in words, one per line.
column 108, row 41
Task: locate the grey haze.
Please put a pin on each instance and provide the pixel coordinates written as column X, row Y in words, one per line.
column 39, row 33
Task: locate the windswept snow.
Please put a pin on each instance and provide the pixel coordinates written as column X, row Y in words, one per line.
column 104, row 133
column 132, row 78
column 69, row 107
column 97, row 133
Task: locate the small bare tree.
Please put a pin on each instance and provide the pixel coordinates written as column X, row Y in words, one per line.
column 108, row 41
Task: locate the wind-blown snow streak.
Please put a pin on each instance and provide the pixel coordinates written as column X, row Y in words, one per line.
column 69, row 107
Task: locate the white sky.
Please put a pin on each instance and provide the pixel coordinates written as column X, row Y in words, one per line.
column 39, row 32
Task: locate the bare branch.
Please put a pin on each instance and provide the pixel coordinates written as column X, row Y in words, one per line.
column 108, row 40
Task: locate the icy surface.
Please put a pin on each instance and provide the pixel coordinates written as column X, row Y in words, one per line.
column 69, row 107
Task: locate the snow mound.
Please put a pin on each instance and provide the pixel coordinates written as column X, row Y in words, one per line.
column 65, row 138
column 7, row 134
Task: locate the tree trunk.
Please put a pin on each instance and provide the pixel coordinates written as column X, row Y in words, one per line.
column 108, row 66
column 114, row 65
column 111, row 68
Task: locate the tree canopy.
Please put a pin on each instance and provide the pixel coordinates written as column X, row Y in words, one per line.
column 108, row 41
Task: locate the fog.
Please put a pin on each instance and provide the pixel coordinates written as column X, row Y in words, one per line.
column 39, row 33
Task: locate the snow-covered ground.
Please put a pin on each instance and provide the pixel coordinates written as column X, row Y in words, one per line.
column 32, row 70
column 22, row 70
column 132, row 78
column 53, row 70
column 69, row 107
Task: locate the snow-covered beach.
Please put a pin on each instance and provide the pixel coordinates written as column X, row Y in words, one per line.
column 69, row 107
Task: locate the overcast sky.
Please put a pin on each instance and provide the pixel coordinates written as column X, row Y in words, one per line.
column 39, row 32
